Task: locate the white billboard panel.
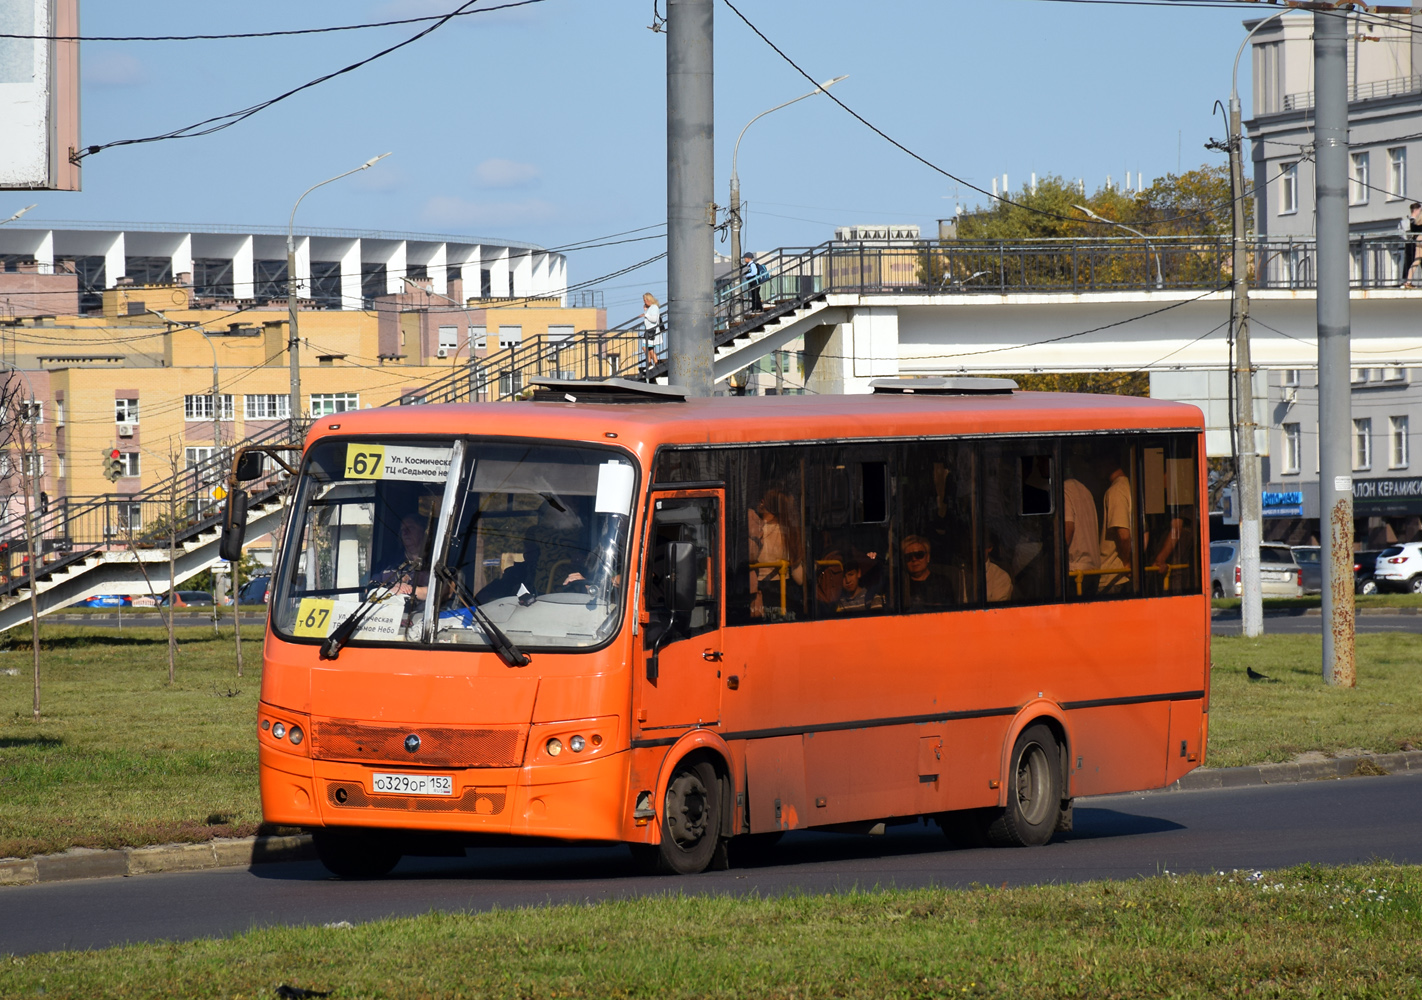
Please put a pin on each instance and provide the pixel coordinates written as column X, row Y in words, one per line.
column 39, row 95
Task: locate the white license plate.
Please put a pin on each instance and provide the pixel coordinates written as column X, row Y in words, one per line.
column 413, row 784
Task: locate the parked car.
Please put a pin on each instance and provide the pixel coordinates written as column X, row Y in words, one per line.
column 188, row 598
column 103, row 601
column 256, row 590
column 1309, row 559
column 1399, row 567
column 1364, row 564
column 1279, row 573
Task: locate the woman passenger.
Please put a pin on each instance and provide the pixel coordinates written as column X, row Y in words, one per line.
column 782, row 543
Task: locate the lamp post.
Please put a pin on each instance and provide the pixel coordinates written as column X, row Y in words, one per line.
column 19, row 213
column 293, row 341
column 735, row 211
column 1159, row 278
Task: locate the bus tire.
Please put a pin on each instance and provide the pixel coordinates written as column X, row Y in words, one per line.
column 691, row 822
column 1034, row 792
column 355, row 855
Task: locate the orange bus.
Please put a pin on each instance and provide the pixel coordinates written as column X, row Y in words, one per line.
column 616, row 614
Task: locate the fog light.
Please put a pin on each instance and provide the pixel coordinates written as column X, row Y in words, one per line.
column 266, row 724
column 554, row 747
column 296, row 735
column 576, row 744
column 278, row 730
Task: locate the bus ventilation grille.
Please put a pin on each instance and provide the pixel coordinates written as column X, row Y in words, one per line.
column 481, row 801
column 440, row 746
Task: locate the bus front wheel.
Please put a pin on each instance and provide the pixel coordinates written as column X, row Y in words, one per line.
column 355, row 854
column 691, row 822
column 1034, row 793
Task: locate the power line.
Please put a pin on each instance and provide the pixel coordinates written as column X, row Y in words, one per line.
column 220, row 122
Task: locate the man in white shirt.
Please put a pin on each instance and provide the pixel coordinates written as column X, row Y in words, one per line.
column 1118, row 525
column 1083, row 536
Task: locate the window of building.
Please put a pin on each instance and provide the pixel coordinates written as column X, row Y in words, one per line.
column 1289, row 189
column 1359, row 185
column 130, row 517
column 449, row 339
column 1394, row 374
column 1397, row 432
column 34, row 465
column 130, row 461
column 1397, row 173
column 126, row 411
column 266, row 406
column 510, row 336
column 323, row 404
column 1359, row 375
column 195, row 456
column 32, row 413
column 1293, row 445
column 59, row 466
column 1268, row 78
column 558, row 334
column 1290, row 377
column 59, row 411
column 200, row 407
column 480, row 336
column 1362, row 444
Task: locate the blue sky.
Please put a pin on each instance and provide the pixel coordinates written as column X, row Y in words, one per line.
column 546, row 123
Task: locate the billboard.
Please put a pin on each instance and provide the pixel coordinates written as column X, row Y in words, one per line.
column 39, row 94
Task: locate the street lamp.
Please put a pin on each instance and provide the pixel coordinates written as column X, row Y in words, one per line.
column 735, row 179
column 20, row 213
column 292, row 340
column 1159, row 277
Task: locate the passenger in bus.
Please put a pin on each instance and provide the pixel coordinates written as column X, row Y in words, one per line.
column 999, row 581
column 1082, row 533
column 856, row 596
column 927, row 587
column 1118, row 525
column 410, row 575
column 829, row 580
column 776, row 553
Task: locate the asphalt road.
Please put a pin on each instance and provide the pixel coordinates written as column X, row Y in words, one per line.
column 1126, row 836
column 1293, row 623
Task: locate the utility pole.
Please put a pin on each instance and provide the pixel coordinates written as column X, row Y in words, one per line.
column 691, row 209
column 1251, row 529
column 293, row 340
column 1335, row 393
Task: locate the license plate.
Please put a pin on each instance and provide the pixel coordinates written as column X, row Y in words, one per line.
column 413, row 784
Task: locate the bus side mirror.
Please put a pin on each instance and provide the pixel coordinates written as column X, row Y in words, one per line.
column 234, row 525
column 249, row 466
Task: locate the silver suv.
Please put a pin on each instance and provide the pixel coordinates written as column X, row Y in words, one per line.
column 1280, row 575
column 1399, row 567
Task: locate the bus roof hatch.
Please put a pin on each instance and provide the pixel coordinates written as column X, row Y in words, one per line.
column 938, row 386
column 608, row 390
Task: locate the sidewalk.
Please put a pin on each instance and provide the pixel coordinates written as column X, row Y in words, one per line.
column 246, row 851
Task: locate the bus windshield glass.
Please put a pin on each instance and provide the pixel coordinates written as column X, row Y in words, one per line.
column 421, row 542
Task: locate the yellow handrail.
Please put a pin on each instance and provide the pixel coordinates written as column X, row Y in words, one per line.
column 1079, row 575
column 784, row 566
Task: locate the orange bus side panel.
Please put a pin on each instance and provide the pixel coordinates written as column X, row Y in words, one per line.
column 775, row 772
column 857, row 773
column 1185, row 749
column 1119, row 747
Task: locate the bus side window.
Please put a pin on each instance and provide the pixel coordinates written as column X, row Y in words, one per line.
column 850, row 530
column 1099, row 518
column 1170, row 534
column 937, row 543
column 1020, row 557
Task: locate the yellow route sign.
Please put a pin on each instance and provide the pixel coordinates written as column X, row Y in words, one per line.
column 365, row 461
column 313, row 617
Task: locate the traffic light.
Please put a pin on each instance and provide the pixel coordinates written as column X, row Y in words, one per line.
column 113, row 465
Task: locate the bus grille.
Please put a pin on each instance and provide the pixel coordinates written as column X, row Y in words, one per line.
column 440, row 746
column 481, row 801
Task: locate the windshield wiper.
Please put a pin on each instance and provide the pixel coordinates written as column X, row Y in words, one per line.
column 499, row 642
column 331, row 648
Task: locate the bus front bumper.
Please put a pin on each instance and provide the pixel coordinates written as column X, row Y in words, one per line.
column 574, row 801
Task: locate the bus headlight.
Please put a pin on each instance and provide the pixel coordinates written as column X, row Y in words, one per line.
column 576, row 744
column 296, row 735
column 278, row 730
column 554, row 747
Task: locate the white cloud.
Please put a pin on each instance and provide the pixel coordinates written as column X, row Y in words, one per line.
column 497, row 173
column 452, row 212
column 113, row 69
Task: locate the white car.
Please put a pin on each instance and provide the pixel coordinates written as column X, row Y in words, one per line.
column 1399, row 567
column 1279, row 573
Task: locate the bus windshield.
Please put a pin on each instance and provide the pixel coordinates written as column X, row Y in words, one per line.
column 432, row 542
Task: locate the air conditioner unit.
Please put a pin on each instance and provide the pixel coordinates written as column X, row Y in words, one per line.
column 125, row 430
column 1291, row 394
column 443, row 352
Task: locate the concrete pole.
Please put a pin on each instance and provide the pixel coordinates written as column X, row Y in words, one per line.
column 1335, row 394
column 293, row 341
column 691, row 211
column 1251, row 529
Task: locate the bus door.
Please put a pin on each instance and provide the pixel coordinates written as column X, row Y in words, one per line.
column 681, row 611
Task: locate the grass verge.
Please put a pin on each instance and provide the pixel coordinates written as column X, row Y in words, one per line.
column 1362, row 601
column 122, row 759
column 119, row 757
column 1312, row 932
column 1274, row 720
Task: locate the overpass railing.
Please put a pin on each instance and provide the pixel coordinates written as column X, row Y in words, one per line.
column 932, row 267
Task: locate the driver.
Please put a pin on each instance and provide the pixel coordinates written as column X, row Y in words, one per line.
column 410, row 575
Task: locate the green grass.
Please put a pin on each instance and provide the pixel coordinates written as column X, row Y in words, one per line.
column 119, row 757
column 1255, row 722
column 1315, row 601
column 1304, row 932
column 122, row 759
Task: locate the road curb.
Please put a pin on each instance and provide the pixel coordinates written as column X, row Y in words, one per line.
column 1318, row 770
column 1318, row 612
column 223, row 852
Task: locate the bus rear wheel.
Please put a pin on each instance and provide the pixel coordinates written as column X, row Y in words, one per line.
column 355, row 854
column 1034, row 792
column 691, row 822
